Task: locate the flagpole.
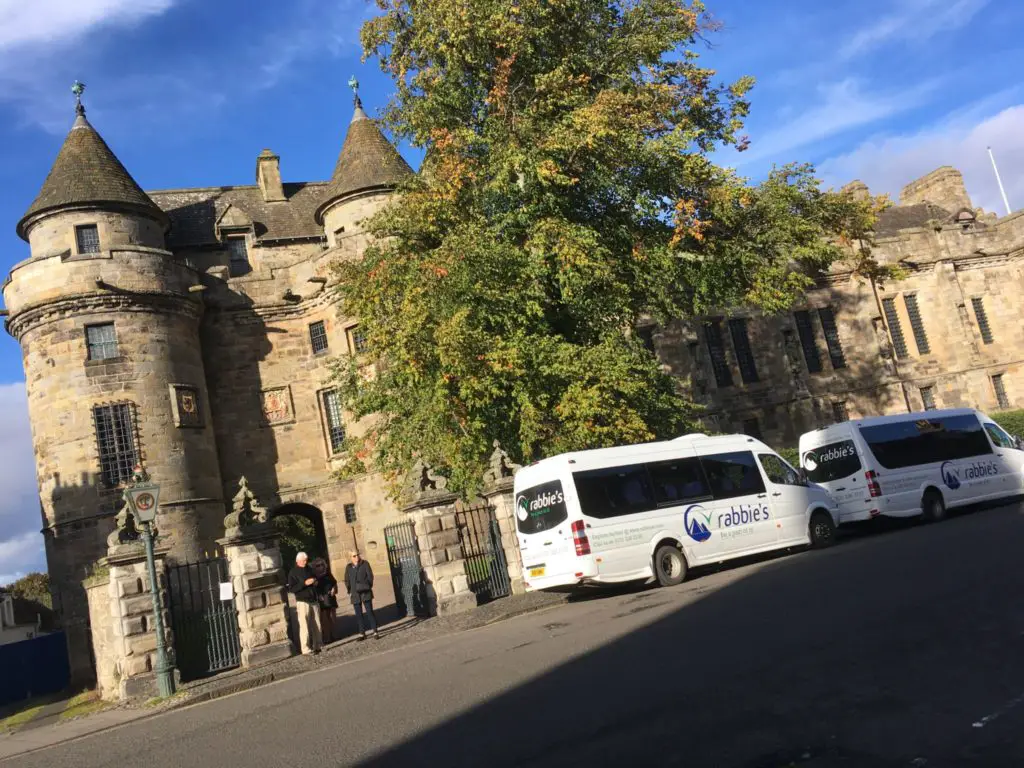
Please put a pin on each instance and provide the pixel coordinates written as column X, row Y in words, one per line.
column 999, row 181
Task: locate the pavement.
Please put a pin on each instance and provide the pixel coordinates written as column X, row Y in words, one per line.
column 895, row 648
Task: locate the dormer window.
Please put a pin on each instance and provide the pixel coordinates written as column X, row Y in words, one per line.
column 238, row 255
column 87, row 238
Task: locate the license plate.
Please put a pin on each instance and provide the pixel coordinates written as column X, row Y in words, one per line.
column 534, row 572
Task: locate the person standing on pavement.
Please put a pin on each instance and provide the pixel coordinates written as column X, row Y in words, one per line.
column 327, row 591
column 359, row 583
column 302, row 584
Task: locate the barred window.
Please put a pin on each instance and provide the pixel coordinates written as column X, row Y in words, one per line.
column 982, row 317
column 350, row 513
column 835, row 346
column 806, row 332
column 238, row 255
column 839, row 412
column 892, row 319
column 744, row 355
column 115, row 437
column 87, row 238
column 318, row 337
column 335, row 423
column 716, row 350
column 752, row 428
column 914, row 313
column 1000, row 389
column 646, row 334
column 100, row 341
column 357, row 339
column 928, row 398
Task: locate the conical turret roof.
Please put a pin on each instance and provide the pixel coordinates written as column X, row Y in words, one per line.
column 86, row 172
column 367, row 161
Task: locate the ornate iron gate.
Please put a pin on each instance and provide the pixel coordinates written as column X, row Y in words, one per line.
column 406, row 573
column 205, row 626
column 486, row 566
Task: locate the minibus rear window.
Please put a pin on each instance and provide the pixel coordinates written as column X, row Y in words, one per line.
column 541, row 507
column 831, row 462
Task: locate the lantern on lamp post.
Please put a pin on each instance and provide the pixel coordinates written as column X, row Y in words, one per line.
column 143, row 498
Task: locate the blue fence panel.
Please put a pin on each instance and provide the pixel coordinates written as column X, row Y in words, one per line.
column 33, row 667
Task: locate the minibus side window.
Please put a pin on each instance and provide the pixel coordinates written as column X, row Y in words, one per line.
column 732, row 474
column 614, row 491
column 908, row 443
column 999, row 437
column 778, row 471
column 677, row 481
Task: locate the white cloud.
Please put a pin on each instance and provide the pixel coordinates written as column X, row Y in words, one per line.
column 887, row 163
column 912, row 21
column 59, row 21
column 21, row 544
column 841, row 107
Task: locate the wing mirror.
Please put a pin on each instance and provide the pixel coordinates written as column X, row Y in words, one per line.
column 802, row 476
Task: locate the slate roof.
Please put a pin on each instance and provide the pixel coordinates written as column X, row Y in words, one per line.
column 85, row 172
column 898, row 217
column 367, row 161
column 194, row 212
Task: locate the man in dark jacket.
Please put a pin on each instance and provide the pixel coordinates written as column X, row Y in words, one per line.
column 302, row 584
column 359, row 583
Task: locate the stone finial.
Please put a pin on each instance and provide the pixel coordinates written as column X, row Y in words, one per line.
column 857, row 189
column 125, row 533
column 246, row 511
column 501, row 466
column 423, row 481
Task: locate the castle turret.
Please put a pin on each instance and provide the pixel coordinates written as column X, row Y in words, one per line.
column 367, row 172
column 108, row 329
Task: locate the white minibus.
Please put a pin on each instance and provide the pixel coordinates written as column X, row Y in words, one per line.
column 653, row 510
column 913, row 463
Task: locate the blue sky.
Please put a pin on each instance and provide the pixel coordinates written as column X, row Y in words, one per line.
column 187, row 93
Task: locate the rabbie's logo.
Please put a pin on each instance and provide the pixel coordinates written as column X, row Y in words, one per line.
column 525, row 507
column 954, row 476
column 696, row 520
column 812, row 459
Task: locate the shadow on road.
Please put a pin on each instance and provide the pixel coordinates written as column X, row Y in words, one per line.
column 886, row 651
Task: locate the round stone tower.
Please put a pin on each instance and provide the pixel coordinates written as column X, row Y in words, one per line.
column 367, row 172
column 109, row 335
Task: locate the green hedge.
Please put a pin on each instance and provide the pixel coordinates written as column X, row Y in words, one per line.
column 1011, row 421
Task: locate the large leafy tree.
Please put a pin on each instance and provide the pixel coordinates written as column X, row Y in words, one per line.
column 568, row 191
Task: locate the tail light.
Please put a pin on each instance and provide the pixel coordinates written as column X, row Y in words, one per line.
column 579, row 538
column 873, row 487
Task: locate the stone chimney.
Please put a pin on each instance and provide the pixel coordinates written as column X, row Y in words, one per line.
column 943, row 187
column 268, row 176
column 857, row 189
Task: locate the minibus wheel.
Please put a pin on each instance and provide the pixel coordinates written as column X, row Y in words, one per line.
column 669, row 565
column 822, row 530
column 933, row 506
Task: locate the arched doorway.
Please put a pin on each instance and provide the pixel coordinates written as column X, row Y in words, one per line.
column 300, row 528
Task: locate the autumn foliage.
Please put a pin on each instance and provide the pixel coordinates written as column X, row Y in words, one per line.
column 568, row 190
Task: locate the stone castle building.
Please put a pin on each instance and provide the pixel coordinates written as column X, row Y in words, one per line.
column 191, row 331
column 947, row 334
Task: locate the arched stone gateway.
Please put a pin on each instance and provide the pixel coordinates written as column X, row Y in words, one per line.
column 300, row 527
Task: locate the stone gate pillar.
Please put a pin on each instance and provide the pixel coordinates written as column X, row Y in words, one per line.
column 254, row 564
column 121, row 614
column 497, row 491
column 431, row 507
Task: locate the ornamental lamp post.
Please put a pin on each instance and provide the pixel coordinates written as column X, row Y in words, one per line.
column 142, row 498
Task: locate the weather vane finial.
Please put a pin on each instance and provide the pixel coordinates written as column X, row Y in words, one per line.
column 77, row 88
column 354, row 85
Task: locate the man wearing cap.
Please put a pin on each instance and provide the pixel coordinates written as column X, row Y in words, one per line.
column 359, row 583
column 302, row 584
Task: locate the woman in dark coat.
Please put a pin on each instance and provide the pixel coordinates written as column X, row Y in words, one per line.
column 359, row 583
column 327, row 591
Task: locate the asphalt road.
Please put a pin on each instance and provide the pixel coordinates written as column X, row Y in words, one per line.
column 902, row 648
